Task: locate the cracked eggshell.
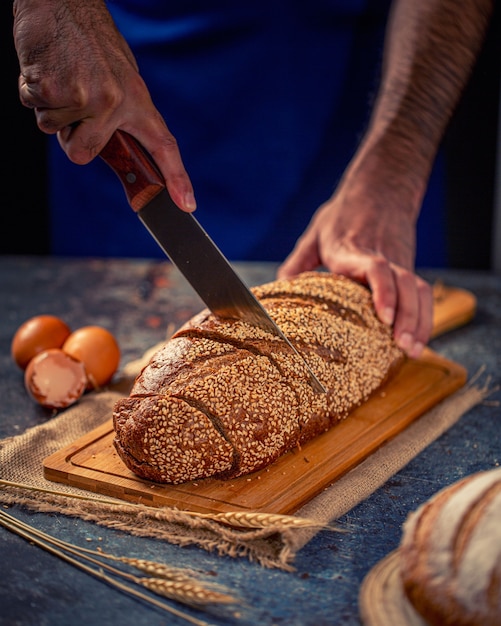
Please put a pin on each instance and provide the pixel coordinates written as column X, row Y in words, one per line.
column 55, row 379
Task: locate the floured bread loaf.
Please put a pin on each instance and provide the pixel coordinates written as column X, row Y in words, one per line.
column 450, row 554
column 223, row 398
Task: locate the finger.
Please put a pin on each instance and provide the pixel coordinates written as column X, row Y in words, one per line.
column 425, row 321
column 52, row 112
column 407, row 312
column 31, row 92
column 31, row 99
column 156, row 138
column 382, row 282
column 81, row 141
column 168, row 158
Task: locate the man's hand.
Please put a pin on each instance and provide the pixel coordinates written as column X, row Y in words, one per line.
column 367, row 229
column 80, row 77
column 369, row 239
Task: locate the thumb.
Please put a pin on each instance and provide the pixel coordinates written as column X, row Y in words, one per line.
column 304, row 257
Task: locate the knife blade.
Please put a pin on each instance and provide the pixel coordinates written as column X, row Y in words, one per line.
column 185, row 242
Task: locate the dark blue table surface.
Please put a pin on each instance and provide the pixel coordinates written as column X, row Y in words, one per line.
column 137, row 299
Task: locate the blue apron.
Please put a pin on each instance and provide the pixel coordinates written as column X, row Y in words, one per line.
column 267, row 100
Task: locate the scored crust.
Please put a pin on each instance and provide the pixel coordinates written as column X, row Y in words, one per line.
column 223, row 398
column 450, row 554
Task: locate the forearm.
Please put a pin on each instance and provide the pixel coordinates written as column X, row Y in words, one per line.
column 430, row 50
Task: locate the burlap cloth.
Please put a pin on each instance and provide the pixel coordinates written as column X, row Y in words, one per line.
column 275, row 545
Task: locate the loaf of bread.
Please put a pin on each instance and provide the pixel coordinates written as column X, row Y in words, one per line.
column 450, row 554
column 223, row 398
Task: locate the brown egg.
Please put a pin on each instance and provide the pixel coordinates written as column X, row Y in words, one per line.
column 98, row 350
column 35, row 335
column 55, row 379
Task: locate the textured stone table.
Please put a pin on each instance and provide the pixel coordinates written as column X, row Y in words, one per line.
column 138, row 300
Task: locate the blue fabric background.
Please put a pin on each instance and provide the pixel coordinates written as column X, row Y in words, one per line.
column 267, row 101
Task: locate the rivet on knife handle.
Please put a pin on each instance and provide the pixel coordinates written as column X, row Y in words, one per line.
column 139, row 175
column 185, row 242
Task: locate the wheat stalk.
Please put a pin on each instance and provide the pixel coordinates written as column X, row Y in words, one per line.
column 182, row 577
column 175, row 584
column 54, row 492
column 235, row 519
column 158, row 570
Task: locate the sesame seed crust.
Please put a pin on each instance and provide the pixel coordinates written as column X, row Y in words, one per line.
column 223, row 398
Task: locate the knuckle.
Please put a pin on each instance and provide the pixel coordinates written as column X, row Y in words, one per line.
column 79, row 157
column 76, row 152
column 46, row 122
column 27, row 95
column 109, row 96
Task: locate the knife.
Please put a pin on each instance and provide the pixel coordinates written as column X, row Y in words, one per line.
column 184, row 240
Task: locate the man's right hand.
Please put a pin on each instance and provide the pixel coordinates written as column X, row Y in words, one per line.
column 79, row 75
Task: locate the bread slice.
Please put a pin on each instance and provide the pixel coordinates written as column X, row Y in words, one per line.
column 223, row 398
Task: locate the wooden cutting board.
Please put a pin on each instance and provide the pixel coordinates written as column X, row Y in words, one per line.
column 452, row 308
column 91, row 462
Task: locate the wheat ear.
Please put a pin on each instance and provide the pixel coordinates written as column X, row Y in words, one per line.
column 250, row 519
column 187, row 591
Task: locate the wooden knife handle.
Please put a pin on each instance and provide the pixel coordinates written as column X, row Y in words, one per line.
column 140, row 177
